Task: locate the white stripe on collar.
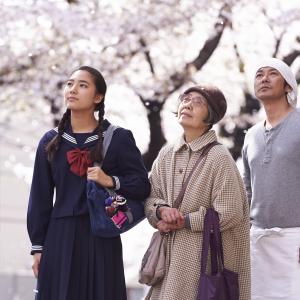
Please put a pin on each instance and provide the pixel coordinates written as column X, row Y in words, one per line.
column 71, row 139
column 91, row 138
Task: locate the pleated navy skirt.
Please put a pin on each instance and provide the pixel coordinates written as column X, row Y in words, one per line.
column 76, row 265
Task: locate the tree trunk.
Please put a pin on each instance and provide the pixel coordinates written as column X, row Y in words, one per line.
column 157, row 138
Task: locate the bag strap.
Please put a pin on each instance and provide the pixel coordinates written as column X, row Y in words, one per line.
column 108, row 134
column 206, row 237
column 106, row 142
column 217, row 238
column 212, row 239
column 107, row 138
column 203, row 154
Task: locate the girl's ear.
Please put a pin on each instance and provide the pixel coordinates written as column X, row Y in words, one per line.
column 98, row 99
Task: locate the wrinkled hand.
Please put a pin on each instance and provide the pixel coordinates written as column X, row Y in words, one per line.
column 164, row 227
column 171, row 215
column 36, row 264
column 98, row 175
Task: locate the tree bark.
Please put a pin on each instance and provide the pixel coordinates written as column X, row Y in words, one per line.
column 157, row 138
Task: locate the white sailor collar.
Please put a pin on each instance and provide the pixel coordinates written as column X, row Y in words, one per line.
column 68, row 137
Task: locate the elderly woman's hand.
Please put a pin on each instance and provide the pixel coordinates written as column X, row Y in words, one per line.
column 164, row 227
column 170, row 215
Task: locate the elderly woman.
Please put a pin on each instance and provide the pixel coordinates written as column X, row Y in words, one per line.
column 215, row 183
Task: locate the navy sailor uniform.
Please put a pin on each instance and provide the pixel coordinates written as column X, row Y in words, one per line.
column 75, row 264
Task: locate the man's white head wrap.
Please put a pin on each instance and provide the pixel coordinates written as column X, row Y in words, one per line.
column 286, row 73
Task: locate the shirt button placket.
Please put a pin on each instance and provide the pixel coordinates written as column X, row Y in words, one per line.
column 267, row 154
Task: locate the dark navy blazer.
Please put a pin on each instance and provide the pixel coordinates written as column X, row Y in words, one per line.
column 123, row 160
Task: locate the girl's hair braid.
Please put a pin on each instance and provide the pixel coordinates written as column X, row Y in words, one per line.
column 54, row 144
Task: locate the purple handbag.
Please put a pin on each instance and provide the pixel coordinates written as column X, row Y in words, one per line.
column 222, row 284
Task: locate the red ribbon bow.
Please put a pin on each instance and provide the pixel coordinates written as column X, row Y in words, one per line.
column 79, row 161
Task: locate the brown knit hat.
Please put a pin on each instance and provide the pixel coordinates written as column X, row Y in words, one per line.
column 215, row 100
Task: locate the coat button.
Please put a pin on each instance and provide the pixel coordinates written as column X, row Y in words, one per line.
column 180, row 171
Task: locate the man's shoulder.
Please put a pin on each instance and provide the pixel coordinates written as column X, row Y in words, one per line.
column 292, row 123
column 255, row 129
column 297, row 113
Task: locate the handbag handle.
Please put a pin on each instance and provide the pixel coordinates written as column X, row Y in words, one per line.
column 216, row 246
column 203, row 154
column 214, row 239
column 205, row 241
column 218, row 237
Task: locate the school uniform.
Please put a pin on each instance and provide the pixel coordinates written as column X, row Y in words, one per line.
column 75, row 264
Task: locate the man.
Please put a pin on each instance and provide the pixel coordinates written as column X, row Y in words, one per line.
column 271, row 157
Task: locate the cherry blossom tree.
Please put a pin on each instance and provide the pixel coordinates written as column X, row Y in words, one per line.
column 148, row 50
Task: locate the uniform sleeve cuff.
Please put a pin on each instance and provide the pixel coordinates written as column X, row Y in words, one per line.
column 116, row 182
column 36, row 249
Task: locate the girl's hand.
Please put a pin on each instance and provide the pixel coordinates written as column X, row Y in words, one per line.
column 98, row 175
column 36, row 264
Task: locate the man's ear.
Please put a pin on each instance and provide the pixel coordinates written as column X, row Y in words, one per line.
column 287, row 88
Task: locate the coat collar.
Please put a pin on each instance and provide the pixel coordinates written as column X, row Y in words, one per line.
column 197, row 144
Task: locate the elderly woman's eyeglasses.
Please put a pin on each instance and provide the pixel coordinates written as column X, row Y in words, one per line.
column 195, row 100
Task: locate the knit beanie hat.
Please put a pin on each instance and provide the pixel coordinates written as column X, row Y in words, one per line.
column 286, row 73
column 215, row 100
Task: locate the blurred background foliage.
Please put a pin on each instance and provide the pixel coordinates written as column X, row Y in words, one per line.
column 148, row 50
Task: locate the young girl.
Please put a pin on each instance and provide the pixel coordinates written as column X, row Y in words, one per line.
column 69, row 261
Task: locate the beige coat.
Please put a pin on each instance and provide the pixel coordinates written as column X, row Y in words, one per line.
column 216, row 184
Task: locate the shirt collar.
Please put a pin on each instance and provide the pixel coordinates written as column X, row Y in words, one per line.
column 280, row 124
column 197, row 144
